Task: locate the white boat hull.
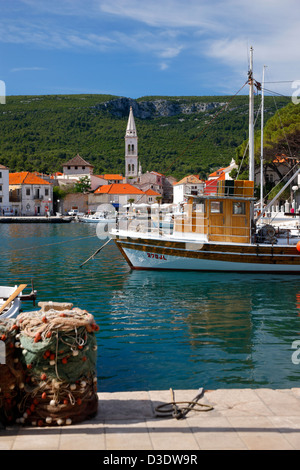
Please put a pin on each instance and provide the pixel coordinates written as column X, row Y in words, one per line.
column 14, row 308
column 157, row 254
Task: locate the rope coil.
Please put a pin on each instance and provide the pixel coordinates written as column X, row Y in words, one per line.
column 172, row 409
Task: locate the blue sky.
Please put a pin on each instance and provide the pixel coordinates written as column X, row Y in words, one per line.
column 136, row 48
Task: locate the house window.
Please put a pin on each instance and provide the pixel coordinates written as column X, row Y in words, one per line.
column 69, row 168
column 129, row 168
column 0, row 174
column 216, row 207
column 27, row 191
column 269, row 178
column 83, row 167
column 0, row 198
column 46, row 192
column 0, row 187
column 76, row 167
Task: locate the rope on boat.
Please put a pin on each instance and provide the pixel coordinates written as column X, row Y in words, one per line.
column 96, row 252
column 55, row 350
column 172, row 408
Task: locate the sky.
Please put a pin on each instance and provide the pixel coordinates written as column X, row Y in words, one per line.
column 137, row 48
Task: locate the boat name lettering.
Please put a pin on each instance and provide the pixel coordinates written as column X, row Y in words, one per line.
column 156, row 256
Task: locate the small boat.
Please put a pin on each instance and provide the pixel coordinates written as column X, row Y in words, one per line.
column 11, row 299
column 104, row 217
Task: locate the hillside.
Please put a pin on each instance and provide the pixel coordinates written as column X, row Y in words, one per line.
column 42, row 132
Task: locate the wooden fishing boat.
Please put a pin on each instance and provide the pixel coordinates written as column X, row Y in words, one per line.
column 215, row 231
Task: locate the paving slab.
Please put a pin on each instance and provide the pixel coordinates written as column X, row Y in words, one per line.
column 233, row 419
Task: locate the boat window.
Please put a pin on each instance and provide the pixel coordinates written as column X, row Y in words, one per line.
column 216, row 207
column 200, row 207
column 239, row 208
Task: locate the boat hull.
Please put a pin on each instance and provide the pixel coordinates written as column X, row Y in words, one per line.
column 159, row 254
column 14, row 308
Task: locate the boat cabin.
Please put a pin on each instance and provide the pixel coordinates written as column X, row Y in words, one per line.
column 221, row 217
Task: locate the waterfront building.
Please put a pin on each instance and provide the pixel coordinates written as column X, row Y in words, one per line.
column 116, row 194
column 4, row 190
column 29, row 194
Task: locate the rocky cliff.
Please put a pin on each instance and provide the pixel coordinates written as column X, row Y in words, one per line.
column 156, row 108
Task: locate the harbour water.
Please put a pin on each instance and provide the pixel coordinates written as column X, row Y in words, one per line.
column 162, row 329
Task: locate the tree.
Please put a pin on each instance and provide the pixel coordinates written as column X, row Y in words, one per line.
column 281, row 139
column 83, row 185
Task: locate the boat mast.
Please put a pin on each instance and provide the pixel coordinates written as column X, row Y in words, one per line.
column 251, row 118
column 262, row 143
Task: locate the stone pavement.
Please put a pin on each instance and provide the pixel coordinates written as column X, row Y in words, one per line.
column 241, row 419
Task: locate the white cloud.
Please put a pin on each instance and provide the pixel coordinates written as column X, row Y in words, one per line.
column 166, row 13
column 217, row 31
column 28, row 69
column 163, row 66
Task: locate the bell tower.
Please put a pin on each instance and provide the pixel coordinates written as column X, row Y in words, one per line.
column 131, row 149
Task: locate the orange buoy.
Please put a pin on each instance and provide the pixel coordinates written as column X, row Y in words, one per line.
column 298, row 246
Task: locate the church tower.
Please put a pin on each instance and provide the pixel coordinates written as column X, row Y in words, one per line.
column 131, row 148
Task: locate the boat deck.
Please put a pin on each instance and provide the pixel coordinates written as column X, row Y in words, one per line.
column 246, row 419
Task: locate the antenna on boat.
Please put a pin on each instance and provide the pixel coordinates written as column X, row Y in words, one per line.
column 262, row 144
column 251, row 118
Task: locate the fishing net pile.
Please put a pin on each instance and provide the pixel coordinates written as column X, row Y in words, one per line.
column 57, row 349
column 12, row 375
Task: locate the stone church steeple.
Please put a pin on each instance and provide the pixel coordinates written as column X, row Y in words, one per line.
column 131, row 148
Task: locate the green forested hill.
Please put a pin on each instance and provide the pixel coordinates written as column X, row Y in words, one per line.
column 42, row 132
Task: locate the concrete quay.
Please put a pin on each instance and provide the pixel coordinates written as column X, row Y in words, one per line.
column 241, row 419
column 34, row 219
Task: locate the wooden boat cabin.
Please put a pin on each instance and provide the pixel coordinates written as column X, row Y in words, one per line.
column 221, row 217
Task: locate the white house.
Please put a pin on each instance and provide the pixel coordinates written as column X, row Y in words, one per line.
column 4, row 189
column 29, row 194
column 189, row 185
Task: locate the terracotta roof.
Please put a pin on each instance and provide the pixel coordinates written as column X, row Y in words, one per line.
column 283, row 159
column 217, row 173
column 2, row 167
column 118, row 188
column 25, row 177
column 111, row 177
column 78, row 160
column 189, row 179
column 58, row 173
column 150, row 192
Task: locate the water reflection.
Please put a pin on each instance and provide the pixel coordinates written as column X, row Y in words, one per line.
column 162, row 329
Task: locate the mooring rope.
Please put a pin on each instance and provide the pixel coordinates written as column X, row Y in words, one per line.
column 172, row 408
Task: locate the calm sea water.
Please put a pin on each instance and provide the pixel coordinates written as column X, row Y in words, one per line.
column 158, row 329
